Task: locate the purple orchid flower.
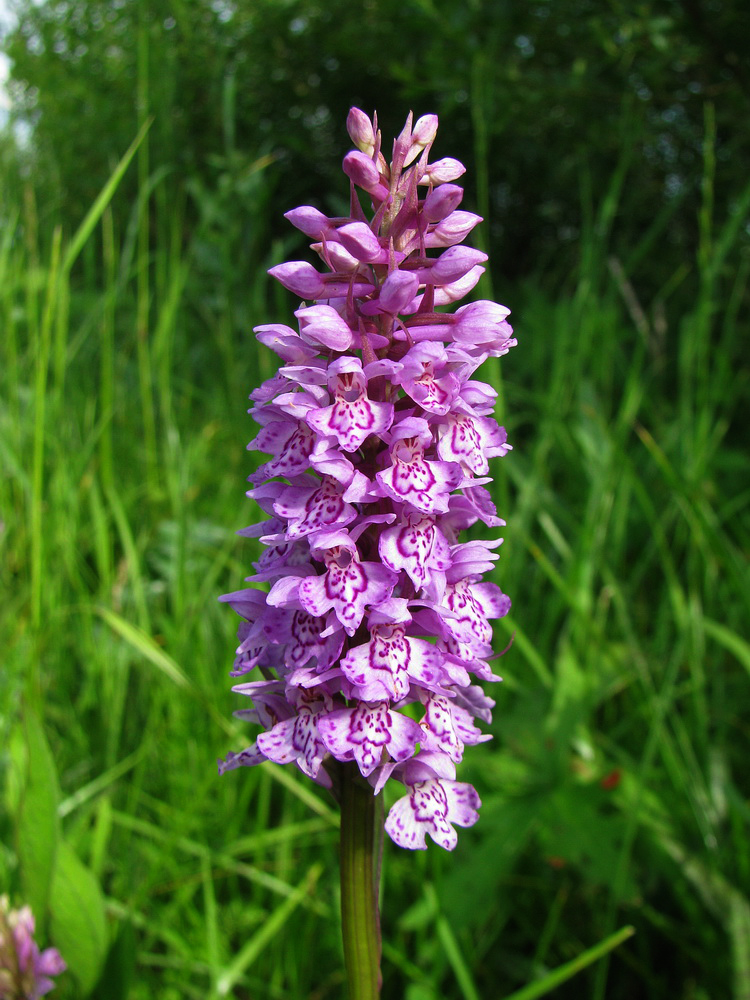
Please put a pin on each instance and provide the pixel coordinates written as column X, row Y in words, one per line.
column 376, row 622
column 24, row 970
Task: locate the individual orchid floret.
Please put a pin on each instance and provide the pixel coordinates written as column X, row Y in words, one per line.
column 471, row 441
column 417, row 546
column 435, row 802
column 367, row 622
column 392, row 662
column 353, row 416
column 296, row 739
column 430, row 808
column 25, row 971
column 346, row 587
column 414, row 479
column 366, row 731
column 424, row 376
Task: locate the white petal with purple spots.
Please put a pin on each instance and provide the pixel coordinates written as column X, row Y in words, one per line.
column 430, row 808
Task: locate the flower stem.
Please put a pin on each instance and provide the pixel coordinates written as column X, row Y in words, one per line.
column 361, row 842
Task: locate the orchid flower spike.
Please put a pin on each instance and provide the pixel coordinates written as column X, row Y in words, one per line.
column 368, row 619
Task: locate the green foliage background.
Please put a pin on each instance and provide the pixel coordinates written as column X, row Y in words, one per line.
column 606, row 146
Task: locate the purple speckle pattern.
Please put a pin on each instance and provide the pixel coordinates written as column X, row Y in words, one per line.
column 367, row 617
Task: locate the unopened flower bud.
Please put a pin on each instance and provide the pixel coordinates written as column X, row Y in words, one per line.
column 299, row 277
column 309, row 221
column 442, row 171
column 360, row 241
column 422, row 135
column 364, row 173
column 440, row 202
column 360, row 130
column 454, row 229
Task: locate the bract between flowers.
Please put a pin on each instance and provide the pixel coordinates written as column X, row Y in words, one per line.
column 372, row 621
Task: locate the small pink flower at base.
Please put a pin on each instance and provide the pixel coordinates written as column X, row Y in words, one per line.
column 430, row 808
column 24, row 971
column 366, row 604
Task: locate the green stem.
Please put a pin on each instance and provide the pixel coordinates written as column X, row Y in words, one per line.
column 361, row 820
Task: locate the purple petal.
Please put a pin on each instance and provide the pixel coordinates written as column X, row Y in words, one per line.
column 425, row 810
column 360, row 130
column 441, row 201
column 310, row 221
column 245, row 758
column 299, row 277
column 360, row 169
column 442, row 171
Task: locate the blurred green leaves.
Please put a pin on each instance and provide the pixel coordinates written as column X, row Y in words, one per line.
column 64, row 895
column 562, row 91
column 37, row 825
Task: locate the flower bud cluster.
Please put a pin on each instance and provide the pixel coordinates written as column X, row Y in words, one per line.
column 368, row 618
column 24, row 971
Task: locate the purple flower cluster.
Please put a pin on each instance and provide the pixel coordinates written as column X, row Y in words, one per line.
column 375, row 620
column 24, row 971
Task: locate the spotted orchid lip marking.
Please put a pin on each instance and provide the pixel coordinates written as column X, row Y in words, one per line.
column 387, row 665
column 417, row 546
column 308, row 509
column 421, row 482
column 430, row 808
column 367, row 731
column 347, row 586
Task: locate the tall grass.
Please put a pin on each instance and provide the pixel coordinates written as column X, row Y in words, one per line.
column 615, row 791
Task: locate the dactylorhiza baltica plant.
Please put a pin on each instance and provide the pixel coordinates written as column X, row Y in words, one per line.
column 368, row 619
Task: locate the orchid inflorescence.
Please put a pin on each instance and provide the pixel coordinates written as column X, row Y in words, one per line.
column 376, row 620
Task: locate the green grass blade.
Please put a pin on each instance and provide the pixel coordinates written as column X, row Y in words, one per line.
column 732, row 642
column 268, row 931
column 570, row 969
column 93, row 215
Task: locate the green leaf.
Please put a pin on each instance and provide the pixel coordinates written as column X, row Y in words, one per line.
column 78, row 928
column 93, row 215
column 570, row 969
column 37, row 827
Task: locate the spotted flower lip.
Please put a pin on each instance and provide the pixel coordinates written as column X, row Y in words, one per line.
column 367, row 622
